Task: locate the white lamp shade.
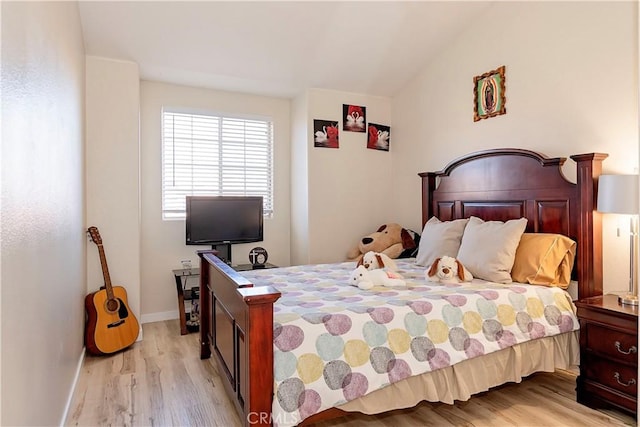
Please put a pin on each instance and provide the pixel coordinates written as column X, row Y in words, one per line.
column 618, row 194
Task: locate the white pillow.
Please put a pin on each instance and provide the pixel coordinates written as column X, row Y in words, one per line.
column 488, row 249
column 439, row 239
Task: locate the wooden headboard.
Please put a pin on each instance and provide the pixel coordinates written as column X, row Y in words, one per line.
column 505, row 184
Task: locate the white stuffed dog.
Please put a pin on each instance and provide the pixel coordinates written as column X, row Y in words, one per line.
column 365, row 279
column 375, row 260
column 448, row 270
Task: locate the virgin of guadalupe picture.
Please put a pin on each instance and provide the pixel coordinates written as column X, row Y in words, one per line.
column 489, row 103
column 354, row 118
column 378, row 137
column 488, row 93
column 325, row 134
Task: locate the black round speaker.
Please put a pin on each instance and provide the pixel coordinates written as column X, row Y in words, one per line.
column 258, row 257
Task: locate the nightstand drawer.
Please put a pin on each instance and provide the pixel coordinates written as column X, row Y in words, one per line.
column 608, row 354
column 618, row 345
column 610, row 374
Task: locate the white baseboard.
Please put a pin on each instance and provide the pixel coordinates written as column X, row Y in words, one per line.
column 73, row 387
column 160, row 316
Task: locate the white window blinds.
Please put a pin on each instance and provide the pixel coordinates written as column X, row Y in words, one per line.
column 207, row 155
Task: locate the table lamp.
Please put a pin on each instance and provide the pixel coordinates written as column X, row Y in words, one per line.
column 618, row 194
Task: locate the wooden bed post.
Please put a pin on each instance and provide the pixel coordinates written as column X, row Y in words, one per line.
column 205, row 313
column 428, row 187
column 589, row 168
column 259, row 346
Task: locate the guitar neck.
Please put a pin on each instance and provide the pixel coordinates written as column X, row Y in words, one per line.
column 105, row 272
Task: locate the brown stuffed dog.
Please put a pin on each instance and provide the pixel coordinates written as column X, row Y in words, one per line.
column 390, row 239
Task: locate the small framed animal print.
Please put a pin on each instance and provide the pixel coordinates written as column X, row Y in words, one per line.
column 325, row 134
column 378, row 137
column 354, row 118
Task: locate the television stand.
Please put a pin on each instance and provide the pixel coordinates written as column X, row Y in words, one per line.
column 223, row 251
column 187, row 296
column 247, row 267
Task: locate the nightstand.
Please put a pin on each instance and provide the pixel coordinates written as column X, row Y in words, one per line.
column 608, row 354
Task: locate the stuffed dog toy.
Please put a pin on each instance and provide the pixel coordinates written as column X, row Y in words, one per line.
column 365, row 279
column 448, row 270
column 391, row 239
column 374, row 260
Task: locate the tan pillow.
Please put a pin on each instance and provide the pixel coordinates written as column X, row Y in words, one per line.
column 544, row 259
column 439, row 239
column 488, row 248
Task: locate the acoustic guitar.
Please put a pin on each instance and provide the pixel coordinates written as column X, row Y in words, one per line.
column 111, row 326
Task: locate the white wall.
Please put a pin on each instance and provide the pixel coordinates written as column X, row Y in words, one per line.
column 300, row 148
column 349, row 189
column 571, row 87
column 43, row 239
column 113, row 173
column 163, row 244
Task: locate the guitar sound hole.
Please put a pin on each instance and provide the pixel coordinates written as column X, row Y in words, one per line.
column 112, row 305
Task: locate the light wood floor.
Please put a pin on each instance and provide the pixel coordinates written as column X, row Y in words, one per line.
column 161, row 381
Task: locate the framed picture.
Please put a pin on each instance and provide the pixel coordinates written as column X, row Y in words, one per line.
column 378, row 137
column 354, row 118
column 488, row 95
column 325, row 134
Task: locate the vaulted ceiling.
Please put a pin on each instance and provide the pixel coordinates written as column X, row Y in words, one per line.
column 277, row 48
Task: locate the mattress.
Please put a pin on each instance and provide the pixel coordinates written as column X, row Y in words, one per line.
column 336, row 345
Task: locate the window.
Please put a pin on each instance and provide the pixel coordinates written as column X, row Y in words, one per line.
column 206, row 155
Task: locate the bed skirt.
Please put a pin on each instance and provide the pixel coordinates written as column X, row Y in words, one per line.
column 472, row 376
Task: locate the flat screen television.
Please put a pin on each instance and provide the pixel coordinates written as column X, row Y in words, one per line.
column 223, row 220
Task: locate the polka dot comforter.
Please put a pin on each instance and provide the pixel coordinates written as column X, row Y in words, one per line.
column 334, row 342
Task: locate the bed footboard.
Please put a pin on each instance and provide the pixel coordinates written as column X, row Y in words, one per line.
column 236, row 324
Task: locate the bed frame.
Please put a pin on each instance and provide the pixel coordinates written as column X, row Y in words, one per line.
column 237, row 318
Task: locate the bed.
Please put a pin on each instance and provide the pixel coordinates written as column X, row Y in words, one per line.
column 247, row 319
